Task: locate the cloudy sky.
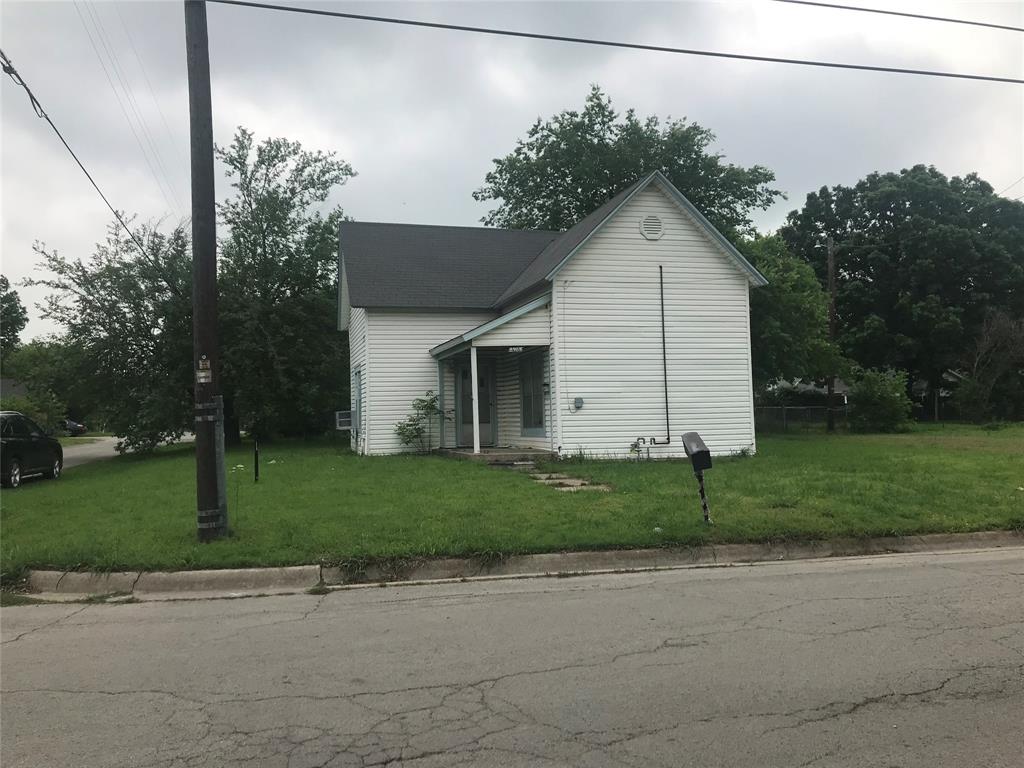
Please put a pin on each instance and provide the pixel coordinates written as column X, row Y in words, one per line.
column 421, row 113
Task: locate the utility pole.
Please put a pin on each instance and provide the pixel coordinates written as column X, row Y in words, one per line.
column 211, row 499
column 830, row 413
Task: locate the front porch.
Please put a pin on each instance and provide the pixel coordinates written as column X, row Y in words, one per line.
column 495, row 400
column 493, row 383
column 504, row 456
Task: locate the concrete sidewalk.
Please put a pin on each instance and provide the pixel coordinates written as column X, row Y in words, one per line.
column 70, row 585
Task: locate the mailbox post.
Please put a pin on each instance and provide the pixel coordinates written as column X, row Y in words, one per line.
column 700, row 459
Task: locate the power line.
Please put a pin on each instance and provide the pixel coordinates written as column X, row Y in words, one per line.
column 614, row 44
column 149, row 86
column 902, row 13
column 121, row 105
column 1018, row 181
column 129, row 92
column 8, row 69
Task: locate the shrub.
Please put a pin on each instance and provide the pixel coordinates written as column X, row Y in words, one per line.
column 879, row 402
column 42, row 407
column 417, row 429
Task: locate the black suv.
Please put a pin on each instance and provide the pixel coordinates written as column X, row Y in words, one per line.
column 26, row 451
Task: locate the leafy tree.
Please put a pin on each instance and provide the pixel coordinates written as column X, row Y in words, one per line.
column 573, row 162
column 284, row 362
column 13, row 318
column 127, row 317
column 63, row 369
column 920, row 260
column 128, row 314
column 788, row 322
column 879, row 402
column 994, row 371
column 42, row 406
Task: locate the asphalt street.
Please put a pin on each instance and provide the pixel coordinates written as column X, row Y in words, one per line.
column 905, row 660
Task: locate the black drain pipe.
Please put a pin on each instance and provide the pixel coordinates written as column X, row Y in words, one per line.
column 664, row 357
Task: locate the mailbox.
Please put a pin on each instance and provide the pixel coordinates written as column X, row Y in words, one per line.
column 700, row 456
column 700, row 459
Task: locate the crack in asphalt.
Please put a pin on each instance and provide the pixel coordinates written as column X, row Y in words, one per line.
column 497, row 716
column 41, row 627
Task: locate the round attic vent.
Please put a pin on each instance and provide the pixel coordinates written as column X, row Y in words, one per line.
column 651, row 227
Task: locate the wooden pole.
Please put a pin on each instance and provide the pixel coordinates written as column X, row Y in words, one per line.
column 211, row 499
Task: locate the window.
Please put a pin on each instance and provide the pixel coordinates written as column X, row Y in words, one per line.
column 33, row 428
column 531, row 394
column 18, row 427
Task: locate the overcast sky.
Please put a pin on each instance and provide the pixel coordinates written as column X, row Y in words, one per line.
column 420, row 114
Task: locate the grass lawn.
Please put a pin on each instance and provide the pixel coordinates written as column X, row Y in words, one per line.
column 318, row 502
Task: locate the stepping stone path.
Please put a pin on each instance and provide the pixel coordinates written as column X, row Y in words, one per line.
column 556, row 480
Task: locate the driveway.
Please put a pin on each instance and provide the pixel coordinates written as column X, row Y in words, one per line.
column 102, row 448
column 893, row 661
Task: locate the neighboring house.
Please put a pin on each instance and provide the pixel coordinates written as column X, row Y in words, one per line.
column 12, row 388
column 632, row 324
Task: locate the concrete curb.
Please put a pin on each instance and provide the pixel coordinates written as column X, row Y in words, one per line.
column 297, row 578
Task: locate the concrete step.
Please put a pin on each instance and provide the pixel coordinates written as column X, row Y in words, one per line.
column 564, row 482
column 586, row 487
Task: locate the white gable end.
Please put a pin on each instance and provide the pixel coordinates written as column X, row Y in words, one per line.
column 607, row 308
column 531, row 329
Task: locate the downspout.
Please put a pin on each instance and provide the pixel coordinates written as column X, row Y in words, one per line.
column 664, row 357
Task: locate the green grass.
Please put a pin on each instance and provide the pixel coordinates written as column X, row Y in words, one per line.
column 316, row 502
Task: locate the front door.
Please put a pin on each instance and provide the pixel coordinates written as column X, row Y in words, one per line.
column 485, row 402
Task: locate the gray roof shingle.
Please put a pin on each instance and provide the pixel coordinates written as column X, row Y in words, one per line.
column 434, row 267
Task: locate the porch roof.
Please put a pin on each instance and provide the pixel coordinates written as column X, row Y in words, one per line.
column 465, row 340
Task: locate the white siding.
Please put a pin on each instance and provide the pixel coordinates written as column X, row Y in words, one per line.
column 357, row 351
column 606, row 313
column 401, row 368
column 509, row 405
column 532, row 329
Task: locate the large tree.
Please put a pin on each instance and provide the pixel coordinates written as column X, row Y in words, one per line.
column 921, row 259
column 571, row 163
column 127, row 313
column 788, row 323
column 13, row 318
column 284, row 361
column 127, row 318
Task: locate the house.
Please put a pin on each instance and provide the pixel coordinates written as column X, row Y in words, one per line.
column 632, row 324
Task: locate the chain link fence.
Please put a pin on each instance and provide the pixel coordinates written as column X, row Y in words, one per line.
column 798, row 418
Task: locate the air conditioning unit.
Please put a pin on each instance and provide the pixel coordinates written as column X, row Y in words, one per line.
column 343, row 421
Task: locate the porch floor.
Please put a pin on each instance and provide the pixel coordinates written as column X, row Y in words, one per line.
column 497, row 454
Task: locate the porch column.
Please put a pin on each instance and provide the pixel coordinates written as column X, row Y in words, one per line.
column 476, row 394
column 440, row 403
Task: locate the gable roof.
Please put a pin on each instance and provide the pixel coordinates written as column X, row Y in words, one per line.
column 431, row 267
column 551, row 259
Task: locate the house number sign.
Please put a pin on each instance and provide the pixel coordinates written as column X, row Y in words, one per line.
column 515, row 349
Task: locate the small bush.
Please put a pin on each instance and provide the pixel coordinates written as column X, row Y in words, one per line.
column 879, row 402
column 417, row 430
column 42, row 407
